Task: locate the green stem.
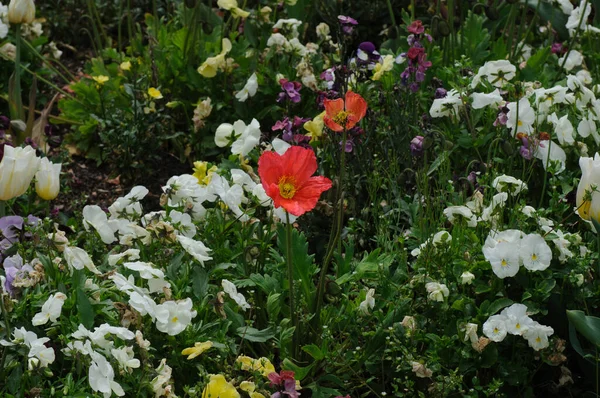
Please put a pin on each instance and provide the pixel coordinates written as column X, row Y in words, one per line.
column 18, row 102
column 5, row 314
column 2, row 208
column 290, row 267
column 334, row 237
column 562, row 65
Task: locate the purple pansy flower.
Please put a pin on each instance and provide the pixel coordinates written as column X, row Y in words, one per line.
column 13, row 268
column 10, row 227
column 290, row 91
column 416, row 145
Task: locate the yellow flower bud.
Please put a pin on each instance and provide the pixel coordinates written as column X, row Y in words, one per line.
column 47, row 179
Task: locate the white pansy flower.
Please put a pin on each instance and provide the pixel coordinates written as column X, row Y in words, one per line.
column 497, row 73
column 516, row 320
column 537, row 336
column 436, row 291
column 447, row 106
column 571, row 59
column 130, row 254
column 368, row 303
column 232, row 196
column 249, row 89
column 130, row 203
column 520, row 117
column 182, row 223
column 173, row 317
column 101, row 376
column 495, row 328
column 125, row 357
column 535, row 253
column 93, row 215
column 563, row 128
column 471, row 332
column 466, row 278
column 231, row 290
column 78, row 258
column 549, row 152
column 481, row 100
column 442, row 238
column 195, row 248
column 506, row 183
column 50, row 310
column 456, row 213
column 143, row 304
column 504, row 258
column 245, row 138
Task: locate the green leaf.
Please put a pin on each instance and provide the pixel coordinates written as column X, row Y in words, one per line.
column 498, row 305
column 576, row 344
column 588, row 326
column 274, row 305
column 314, row 351
column 438, row 162
column 85, row 310
column 300, row 372
column 304, row 267
column 475, row 38
column 255, row 335
column 199, row 282
column 14, row 380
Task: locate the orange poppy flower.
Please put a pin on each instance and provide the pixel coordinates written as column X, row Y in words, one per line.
column 340, row 113
column 287, row 179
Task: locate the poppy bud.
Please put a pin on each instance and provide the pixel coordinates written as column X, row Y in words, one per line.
column 333, row 289
column 507, row 147
column 443, row 28
column 492, row 13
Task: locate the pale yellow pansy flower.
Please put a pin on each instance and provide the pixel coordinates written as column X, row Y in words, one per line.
column 197, row 349
column 385, row 66
column 315, row 127
column 219, row 387
column 125, row 65
column 212, row 64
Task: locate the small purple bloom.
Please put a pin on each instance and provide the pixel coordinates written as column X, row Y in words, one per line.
column 10, row 227
column 416, row 146
column 557, row 48
column 290, row 91
column 13, row 268
column 344, row 20
column 440, row 93
column 472, row 178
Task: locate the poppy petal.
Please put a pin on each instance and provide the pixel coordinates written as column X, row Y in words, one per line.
column 300, row 163
column 270, row 169
column 308, row 195
column 332, row 108
column 356, row 105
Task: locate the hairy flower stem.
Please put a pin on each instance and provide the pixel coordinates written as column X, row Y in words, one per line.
column 334, row 237
column 5, row 314
column 290, row 267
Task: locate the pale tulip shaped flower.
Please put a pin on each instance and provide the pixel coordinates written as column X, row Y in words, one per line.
column 47, row 179
column 21, row 11
column 17, row 169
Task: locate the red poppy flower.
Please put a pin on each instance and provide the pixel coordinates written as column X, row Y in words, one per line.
column 340, row 113
column 287, row 179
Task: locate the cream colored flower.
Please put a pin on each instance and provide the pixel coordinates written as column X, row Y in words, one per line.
column 47, row 179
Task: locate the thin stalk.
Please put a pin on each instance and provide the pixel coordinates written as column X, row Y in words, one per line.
column 531, row 24
column 562, row 65
column 18, row 104
column 54, row 86
column 337, row 228
column 519, row 31
column 49, row 64
column 290, row 268
column 5, row 314
column 2, row 208
column 391, row 11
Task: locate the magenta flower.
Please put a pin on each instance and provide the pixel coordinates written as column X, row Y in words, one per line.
column 290, row 91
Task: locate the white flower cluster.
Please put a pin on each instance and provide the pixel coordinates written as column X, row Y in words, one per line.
column 508, row 250
column 514, row 320
column 95, row 345
column 39, row 355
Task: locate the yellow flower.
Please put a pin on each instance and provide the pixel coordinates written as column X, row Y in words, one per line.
column 385, row 66
column 101, row 79
column 232, row 6
column 47, row 179
column 125, row 65
column 202, row 173
column 256, row 395
column 247, row 386
column 262, row 365
column 315, row 127
column 154, row 93
column 218, row 387
column 212, row 64
column 197, row 349
column 150, row 109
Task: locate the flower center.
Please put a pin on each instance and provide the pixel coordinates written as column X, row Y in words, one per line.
column 519, row 123
column 175, row 319
column 287, row 187
column 538, row 340
column 534, row 257
column 504, row 263
column 341, row 118
column 518, row 326
column 496, row 330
